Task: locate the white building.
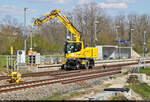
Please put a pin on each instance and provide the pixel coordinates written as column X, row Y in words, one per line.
column 113, row 52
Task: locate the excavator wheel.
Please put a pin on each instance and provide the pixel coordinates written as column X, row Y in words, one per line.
column 78, row 66
column 91, row 63
column 86, row 65
column 62, row 67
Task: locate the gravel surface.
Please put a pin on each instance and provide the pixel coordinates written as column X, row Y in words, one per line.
column 118, row 82
column 48, row 91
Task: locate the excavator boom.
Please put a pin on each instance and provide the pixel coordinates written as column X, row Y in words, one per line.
column 56, row 13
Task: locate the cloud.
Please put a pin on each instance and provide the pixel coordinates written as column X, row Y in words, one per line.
column 114, row 1
column 80, row 2
column 116, row 4
column 119, row 1
column 113, row 5
column 13, row 10
column 53, row 1
column 110, row 4
column 62, row 1
column 130, row 1
column 8, row 9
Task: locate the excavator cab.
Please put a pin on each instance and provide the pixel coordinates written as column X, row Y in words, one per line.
column 71, row 47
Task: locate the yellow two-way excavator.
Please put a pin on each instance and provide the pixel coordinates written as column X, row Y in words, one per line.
column 76, row 55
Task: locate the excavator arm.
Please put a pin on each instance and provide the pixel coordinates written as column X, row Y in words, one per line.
column 56, row 13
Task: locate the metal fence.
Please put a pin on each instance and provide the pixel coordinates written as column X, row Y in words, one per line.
column 11, row 61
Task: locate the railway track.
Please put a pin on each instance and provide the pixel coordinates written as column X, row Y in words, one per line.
column 97, row 62
column 46, row 73
column 113, row 61
column 59, row 72
column 63, row 79
column 123, row 64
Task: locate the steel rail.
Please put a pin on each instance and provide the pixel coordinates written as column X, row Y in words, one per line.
column 59, row 77
column 57, row 72
column 90, row 77
column 64, row 81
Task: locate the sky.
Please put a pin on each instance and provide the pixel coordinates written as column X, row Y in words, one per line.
column 36, row 8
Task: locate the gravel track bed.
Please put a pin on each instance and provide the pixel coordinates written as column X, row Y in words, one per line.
column 49, row 90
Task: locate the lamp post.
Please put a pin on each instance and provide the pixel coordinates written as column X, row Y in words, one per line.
column 31, row 38
column 25, row 9
column 118, row 40
column 117, row 35
column 72, row 20
column 144, row 47
column 69, row 37
column 95, row 37
column 131, row 40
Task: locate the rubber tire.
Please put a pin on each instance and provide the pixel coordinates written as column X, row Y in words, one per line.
column 62, row 67
column 65, row 67
column 91, row 61
column 87, row 65
column 77, row 66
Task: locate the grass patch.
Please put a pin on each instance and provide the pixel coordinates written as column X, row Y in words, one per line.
column 142, row 89
column 145, row 70
column 2, row 62
column 57, row 96
column 120, row 97
column 124, row 73
column 107, row 85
